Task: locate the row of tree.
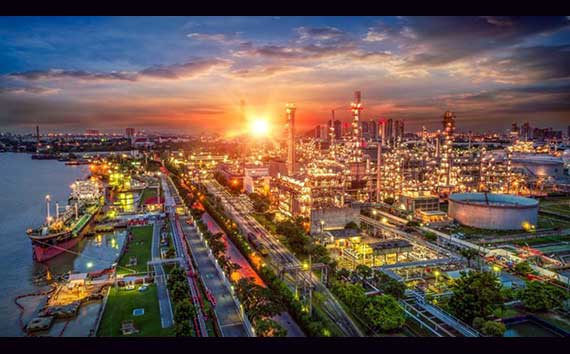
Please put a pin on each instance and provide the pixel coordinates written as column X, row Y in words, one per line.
column 382, row 312
column 184, row 311
column 477, row 296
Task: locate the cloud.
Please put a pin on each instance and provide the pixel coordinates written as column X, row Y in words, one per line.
column 72, row 74
column 185, row 70
column 435, row 41
column 37, row 90
column 522, row 65
column 223, row 38
column 176, row 71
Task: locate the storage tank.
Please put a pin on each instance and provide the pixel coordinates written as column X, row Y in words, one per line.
column 493, row 211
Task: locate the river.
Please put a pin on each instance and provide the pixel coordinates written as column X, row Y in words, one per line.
column 24, row 184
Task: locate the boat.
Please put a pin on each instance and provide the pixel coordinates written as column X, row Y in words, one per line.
column 44, row 156
column 57, row 236
column 77, row 162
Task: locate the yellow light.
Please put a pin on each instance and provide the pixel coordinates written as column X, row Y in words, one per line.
column 259, row 127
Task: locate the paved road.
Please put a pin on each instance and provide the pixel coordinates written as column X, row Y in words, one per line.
column 166, row 316
column 226, row 310
column 182, row 251
column 284, row 318
column 281, row 257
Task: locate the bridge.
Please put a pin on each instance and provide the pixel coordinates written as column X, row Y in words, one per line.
column 434, row 319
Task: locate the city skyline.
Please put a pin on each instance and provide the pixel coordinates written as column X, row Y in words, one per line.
column 189, row 74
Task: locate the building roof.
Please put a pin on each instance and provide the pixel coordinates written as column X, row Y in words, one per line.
column 344, row 233
column 384, row 245
column 77, row 276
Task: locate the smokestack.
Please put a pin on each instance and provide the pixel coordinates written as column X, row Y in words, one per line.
column 290, row 111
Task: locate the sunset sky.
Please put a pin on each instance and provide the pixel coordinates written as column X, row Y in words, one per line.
column 187, row 74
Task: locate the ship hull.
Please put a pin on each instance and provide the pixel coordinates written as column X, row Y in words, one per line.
column 42, row 254
column 45, row 248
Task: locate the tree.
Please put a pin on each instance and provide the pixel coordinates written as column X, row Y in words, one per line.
column 384, row 312
column 184, row 311
column 523, row 268
column 363, row 271
column 493, row 329
column 179, row 291
column 352, row 225
column 475, row 294
column 539, row 297
column 352, row 295
column 469, row 254
column 269, row 328
column 183, row 329
column 391, row 286
column 430, row 236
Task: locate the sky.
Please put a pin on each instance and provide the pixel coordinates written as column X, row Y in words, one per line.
column 189, row 74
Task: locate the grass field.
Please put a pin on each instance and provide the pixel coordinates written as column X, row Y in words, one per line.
column 147, row 193
column 120, row 306
column 558, row 205
column 547, row 222
column 140, row 247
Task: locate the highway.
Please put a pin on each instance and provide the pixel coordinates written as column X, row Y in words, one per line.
column 280, row 256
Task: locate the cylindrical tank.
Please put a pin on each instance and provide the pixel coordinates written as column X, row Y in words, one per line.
column 493, row 211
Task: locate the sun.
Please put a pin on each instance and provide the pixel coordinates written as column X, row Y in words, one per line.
column 259, row 127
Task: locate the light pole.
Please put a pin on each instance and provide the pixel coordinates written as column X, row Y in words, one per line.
column 48, row 217
column 322, row 226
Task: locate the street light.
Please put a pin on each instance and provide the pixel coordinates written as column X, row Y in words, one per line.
column 48, row 199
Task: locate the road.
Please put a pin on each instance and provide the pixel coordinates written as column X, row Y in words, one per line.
column 227, row 312
column 181, row 251
column 166, row 316
column 246, row 270
column 280, row 256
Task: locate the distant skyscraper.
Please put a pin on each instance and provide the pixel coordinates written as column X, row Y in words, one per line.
column 130, row 132
column 525, row 131
column 388, row 131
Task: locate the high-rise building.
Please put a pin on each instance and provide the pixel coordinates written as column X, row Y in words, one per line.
column 130, row 132
column 525, row 131
column 373, row 129
column 388, row 131
column 290, row 111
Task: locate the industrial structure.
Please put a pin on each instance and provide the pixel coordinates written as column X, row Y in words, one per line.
column 493, row 211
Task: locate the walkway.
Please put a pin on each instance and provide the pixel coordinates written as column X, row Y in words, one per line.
column 166, row 316
column 226, row 310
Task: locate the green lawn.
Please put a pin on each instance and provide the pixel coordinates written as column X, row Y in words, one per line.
column 140, row 247
column 120, row 306
column 547, row 222
column 147, row 193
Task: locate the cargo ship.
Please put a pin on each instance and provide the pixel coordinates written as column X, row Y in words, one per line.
column 59, row 234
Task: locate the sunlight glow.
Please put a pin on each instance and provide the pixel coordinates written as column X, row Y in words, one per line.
column 259, row 127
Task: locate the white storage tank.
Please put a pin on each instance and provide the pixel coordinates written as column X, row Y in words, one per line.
column 493, row 211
